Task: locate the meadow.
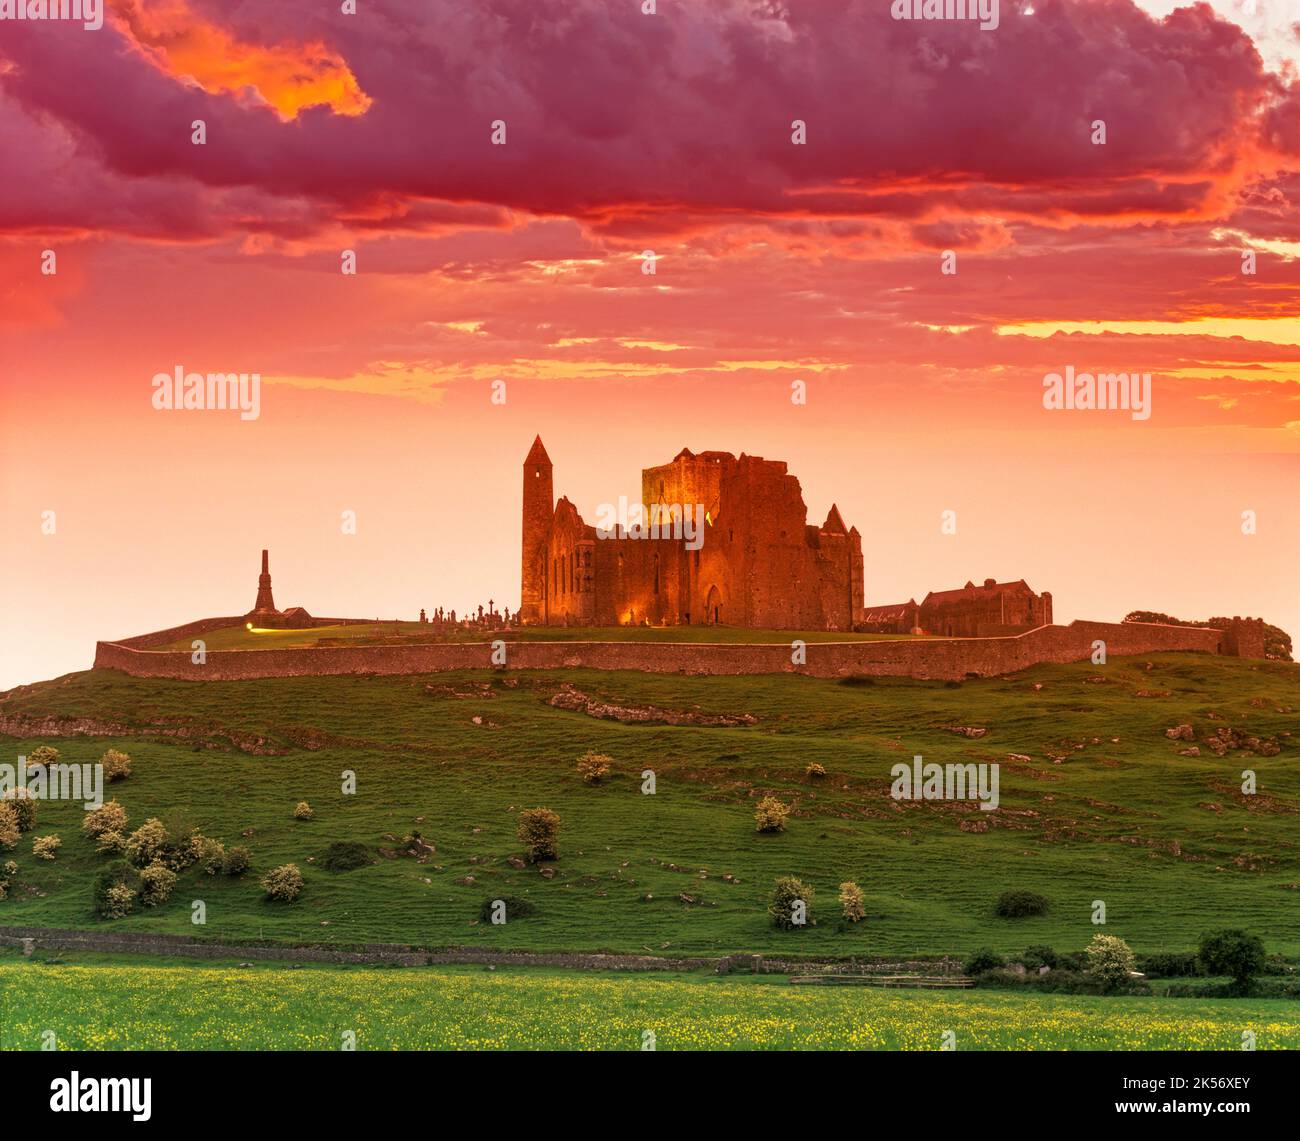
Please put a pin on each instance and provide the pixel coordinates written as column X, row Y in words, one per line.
column 105, row 1006
column 1096, row 805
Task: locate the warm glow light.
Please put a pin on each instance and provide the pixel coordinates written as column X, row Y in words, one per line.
column 288, row 77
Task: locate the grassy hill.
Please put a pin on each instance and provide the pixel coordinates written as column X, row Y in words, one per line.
column 1105, row 807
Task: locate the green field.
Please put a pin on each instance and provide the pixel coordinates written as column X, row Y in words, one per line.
column 238, row 637
column 136, row 1007
column 1166, row 841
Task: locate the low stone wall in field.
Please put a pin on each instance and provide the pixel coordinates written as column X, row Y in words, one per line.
column 926, row 658
column 44, row 939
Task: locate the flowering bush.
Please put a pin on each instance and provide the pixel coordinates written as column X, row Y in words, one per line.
column 852, row 902
column 283, row 883
column 8, row 826
column 1110, row 960
column 236, row 862
column 770, row 815
column 24, row 805
column 303, row 811
column 148, row 843
column 593, row 766
column 117, row 765
column 44, row 847
column 158, row 881
column 116, row 890
column 42, row 755
column 110, row 817
column 209, row 854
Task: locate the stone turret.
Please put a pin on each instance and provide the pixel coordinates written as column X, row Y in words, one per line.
column 1244, row 638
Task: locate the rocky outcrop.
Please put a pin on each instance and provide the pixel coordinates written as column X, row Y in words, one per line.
column 575, row 701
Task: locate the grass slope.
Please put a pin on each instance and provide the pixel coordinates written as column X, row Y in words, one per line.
column 139, row 1007
column 1167, row 842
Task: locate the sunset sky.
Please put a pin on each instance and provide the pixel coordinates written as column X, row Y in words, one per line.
column 774, row 262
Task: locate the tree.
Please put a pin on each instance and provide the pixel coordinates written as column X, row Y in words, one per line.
column 791, row 906
column 539, row 829
column 1234, row 953
column 852, row 902
column 1110, row 960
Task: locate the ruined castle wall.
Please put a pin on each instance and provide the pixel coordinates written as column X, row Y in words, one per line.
column 929, row 658
column 174, row 633
column 203, row 625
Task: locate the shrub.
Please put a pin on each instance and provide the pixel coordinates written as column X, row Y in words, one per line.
column 814, row 771
column 8, row 826
column 770, row 815
column 45, row 847
column 110, row 817
column 117, row 765
column 11, row 867
column 116, row 888
column 209, row 854
column 42, row 755
column 237, row 861
column 1038, row 956
column 594, row 766
column 303, row 811
column 112, row 843
column 852, row 902
column 148, row 843
column 539, row 829
column 516, row 908
column 1018, row 903
column 1110, row 961
column 787, row 893
column 24, row 806
column 1232, row 952
column 1170, row 965
column 984, row 960
column 283, row 883
column 345, row 855
column 119, row 900
column 157, row 881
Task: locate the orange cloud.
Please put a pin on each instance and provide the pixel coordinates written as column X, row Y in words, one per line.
column 288, row 77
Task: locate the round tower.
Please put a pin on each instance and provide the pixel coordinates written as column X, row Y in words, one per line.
column 539, row 508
